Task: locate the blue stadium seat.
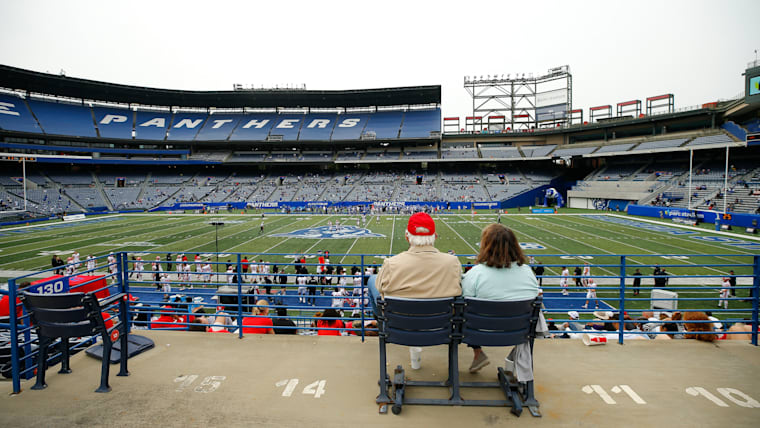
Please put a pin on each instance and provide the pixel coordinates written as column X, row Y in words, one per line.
column 288, row 126
column 420, row 123
column 349, row 126
column 15, row 115
column 114, row 122
column 151, row 125
column 218, row 127
column 385, row 124
column 185, row 126
column 63, row 119
column 75, row 315
column 317, row 127
column 451, row 321
column 254, row 127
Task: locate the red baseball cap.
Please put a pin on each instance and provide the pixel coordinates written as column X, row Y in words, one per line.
column 421, row 224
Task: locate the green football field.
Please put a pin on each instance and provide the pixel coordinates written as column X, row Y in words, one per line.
column 554, row 240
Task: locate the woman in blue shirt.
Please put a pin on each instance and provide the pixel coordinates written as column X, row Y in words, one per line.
column 502, row 273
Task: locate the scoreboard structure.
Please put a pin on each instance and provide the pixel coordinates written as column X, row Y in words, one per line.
column 752, row 83
column 516, row 103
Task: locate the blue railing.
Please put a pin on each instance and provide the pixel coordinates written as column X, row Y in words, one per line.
column 175, row 301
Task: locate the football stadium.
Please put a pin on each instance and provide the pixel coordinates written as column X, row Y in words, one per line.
column 135, row 221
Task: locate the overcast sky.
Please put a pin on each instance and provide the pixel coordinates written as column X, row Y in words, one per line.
column 617, row 51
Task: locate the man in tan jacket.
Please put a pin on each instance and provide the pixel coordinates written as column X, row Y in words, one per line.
column 422, row 272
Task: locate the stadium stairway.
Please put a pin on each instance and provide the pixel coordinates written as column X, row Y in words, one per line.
column 99, row 186
column 638, row 171
column 66, row 196
column 144, row 186
column 206, row 379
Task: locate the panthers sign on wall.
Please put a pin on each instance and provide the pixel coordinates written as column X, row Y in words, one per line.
column 327, row 232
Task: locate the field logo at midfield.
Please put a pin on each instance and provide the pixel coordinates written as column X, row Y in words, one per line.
column 325, row 232
column 531, row 246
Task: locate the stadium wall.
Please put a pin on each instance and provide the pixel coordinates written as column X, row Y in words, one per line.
column 732, row 219
column 453, row 205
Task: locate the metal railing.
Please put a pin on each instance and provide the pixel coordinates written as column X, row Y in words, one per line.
column 183, row 300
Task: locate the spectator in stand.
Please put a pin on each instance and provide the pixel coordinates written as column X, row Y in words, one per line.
column 279, row 323
column 325, row 322
column 502, row 273
column 220, row 321
column 168, row 319
column 422, row 272
column 260, row 323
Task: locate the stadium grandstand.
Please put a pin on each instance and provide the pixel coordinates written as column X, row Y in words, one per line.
column 282, row 176
column 93, row 147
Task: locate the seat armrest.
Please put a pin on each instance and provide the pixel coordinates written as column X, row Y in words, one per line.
column 111, row 299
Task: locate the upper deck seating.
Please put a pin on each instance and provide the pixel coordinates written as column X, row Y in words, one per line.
column 15, row 115
column 615, row 148
column 537, row 151
column 185, row 126
column 114, row 122
column 318, row 127
column 151, row 125
column 349, row 126
column 288, row 126
column 661, row 144
column 499, row 152
column 459, row 153
column 218, row 127
column 420, row 123
column 63, row 119
column 384, row 124
column 711, row 139
column 573, row 151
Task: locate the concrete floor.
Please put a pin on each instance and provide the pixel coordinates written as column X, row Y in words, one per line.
column 245, row 381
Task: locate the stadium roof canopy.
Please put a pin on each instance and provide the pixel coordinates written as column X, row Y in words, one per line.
column 32, row 81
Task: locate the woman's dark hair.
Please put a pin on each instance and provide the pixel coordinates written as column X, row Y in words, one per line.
column 499, row 247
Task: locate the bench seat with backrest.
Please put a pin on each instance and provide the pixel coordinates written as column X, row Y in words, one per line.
column 452, row 321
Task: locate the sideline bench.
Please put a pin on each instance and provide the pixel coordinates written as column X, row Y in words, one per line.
column 75, row 315
column 452, row 321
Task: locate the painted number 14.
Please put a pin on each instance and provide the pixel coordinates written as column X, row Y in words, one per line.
column 316, row 388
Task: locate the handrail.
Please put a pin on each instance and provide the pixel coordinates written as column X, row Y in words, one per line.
column 698, row 292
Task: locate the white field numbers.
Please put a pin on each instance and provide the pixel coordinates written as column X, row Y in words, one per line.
column 208, row 384
column 316, row 388
column 731, row 394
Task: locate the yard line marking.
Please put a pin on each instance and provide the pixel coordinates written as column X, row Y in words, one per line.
column 460, row 236
column 393, row 234
column 273, row 230
column 680, row 238
column 36, row 238
column 570, row 239
column 95, row 245
column 637, row 247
